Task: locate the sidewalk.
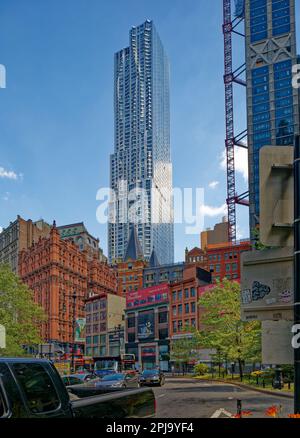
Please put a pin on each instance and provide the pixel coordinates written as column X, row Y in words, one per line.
column 274, row 392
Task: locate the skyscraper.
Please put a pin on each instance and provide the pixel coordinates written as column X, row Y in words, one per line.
column 272, row 102
column 141, row 169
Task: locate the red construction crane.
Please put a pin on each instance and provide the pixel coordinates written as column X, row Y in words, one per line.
column 230, row 77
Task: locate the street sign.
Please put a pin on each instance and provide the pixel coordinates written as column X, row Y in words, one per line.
column 2, row 336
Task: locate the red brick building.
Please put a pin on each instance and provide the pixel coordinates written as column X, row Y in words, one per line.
column 101, row 278
column 54, row 269
column 196, row 256
column 130, row 270
column 224, row 259
column 183, row 299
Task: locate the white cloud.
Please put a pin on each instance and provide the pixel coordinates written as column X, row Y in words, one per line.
column 213, row 184
column 1, row 229
column 9, row 174
column 240, row 161
column 207, row 210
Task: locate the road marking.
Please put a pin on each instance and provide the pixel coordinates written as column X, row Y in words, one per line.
column 161, row 395
column 219, row 412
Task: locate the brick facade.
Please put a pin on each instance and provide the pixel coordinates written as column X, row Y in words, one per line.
column 54, row 268
column 18, row 236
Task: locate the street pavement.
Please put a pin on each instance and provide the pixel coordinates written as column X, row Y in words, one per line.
column 189, row 398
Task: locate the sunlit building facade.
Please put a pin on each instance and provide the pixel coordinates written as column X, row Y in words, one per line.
column 140, row 167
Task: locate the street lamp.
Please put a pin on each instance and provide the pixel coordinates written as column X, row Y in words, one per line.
column 118, row 329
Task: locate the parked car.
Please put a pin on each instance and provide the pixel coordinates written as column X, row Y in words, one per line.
column 109, row 383
column 77, row 379
column 152, row 377
column 33, row 388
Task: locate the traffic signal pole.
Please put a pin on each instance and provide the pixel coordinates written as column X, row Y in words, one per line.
column 297, row 269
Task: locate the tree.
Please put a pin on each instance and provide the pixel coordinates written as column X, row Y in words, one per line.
column 19, row 314
column 222, row 328
column 182, row 350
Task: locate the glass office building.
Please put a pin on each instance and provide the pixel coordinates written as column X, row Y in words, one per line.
column 140, row 167
column 272, row 102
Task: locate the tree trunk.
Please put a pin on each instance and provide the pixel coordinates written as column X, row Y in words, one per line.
column 240, row 369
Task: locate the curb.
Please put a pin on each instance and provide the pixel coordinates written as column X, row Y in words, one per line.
column 245, row 386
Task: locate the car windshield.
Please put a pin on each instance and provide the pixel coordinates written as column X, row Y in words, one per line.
column 114, row 377
column 150, row 372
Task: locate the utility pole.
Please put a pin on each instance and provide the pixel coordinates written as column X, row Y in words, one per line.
column 297, row 269
column 74, row 296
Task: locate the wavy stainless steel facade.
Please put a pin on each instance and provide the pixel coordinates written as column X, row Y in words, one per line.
column 141, row 168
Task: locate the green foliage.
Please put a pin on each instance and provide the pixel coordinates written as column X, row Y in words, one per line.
column 222, row 328
column 257, row 245
column 182, row 350
column 201, row 369
column 19, row 314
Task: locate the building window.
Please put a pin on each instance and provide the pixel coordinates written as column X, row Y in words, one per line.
column 173, row 296
column 162, row 317
column 174, row 310
column 187, row 308
column 186, row 293
column 180, row 325
column 102, row 350
column 180, row 295
column 174, row 324
column 193, row 307
column 193, row 292
column 180, row 309
column 131, row 322
column 193, row 322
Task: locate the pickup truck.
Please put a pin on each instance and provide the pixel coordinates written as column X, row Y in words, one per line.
column 33, row 388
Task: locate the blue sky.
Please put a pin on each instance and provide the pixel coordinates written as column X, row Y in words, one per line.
column 56, row 124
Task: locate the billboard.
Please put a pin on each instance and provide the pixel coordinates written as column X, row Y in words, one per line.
column 146, row 325
column 80, row 330
column 148, row 296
